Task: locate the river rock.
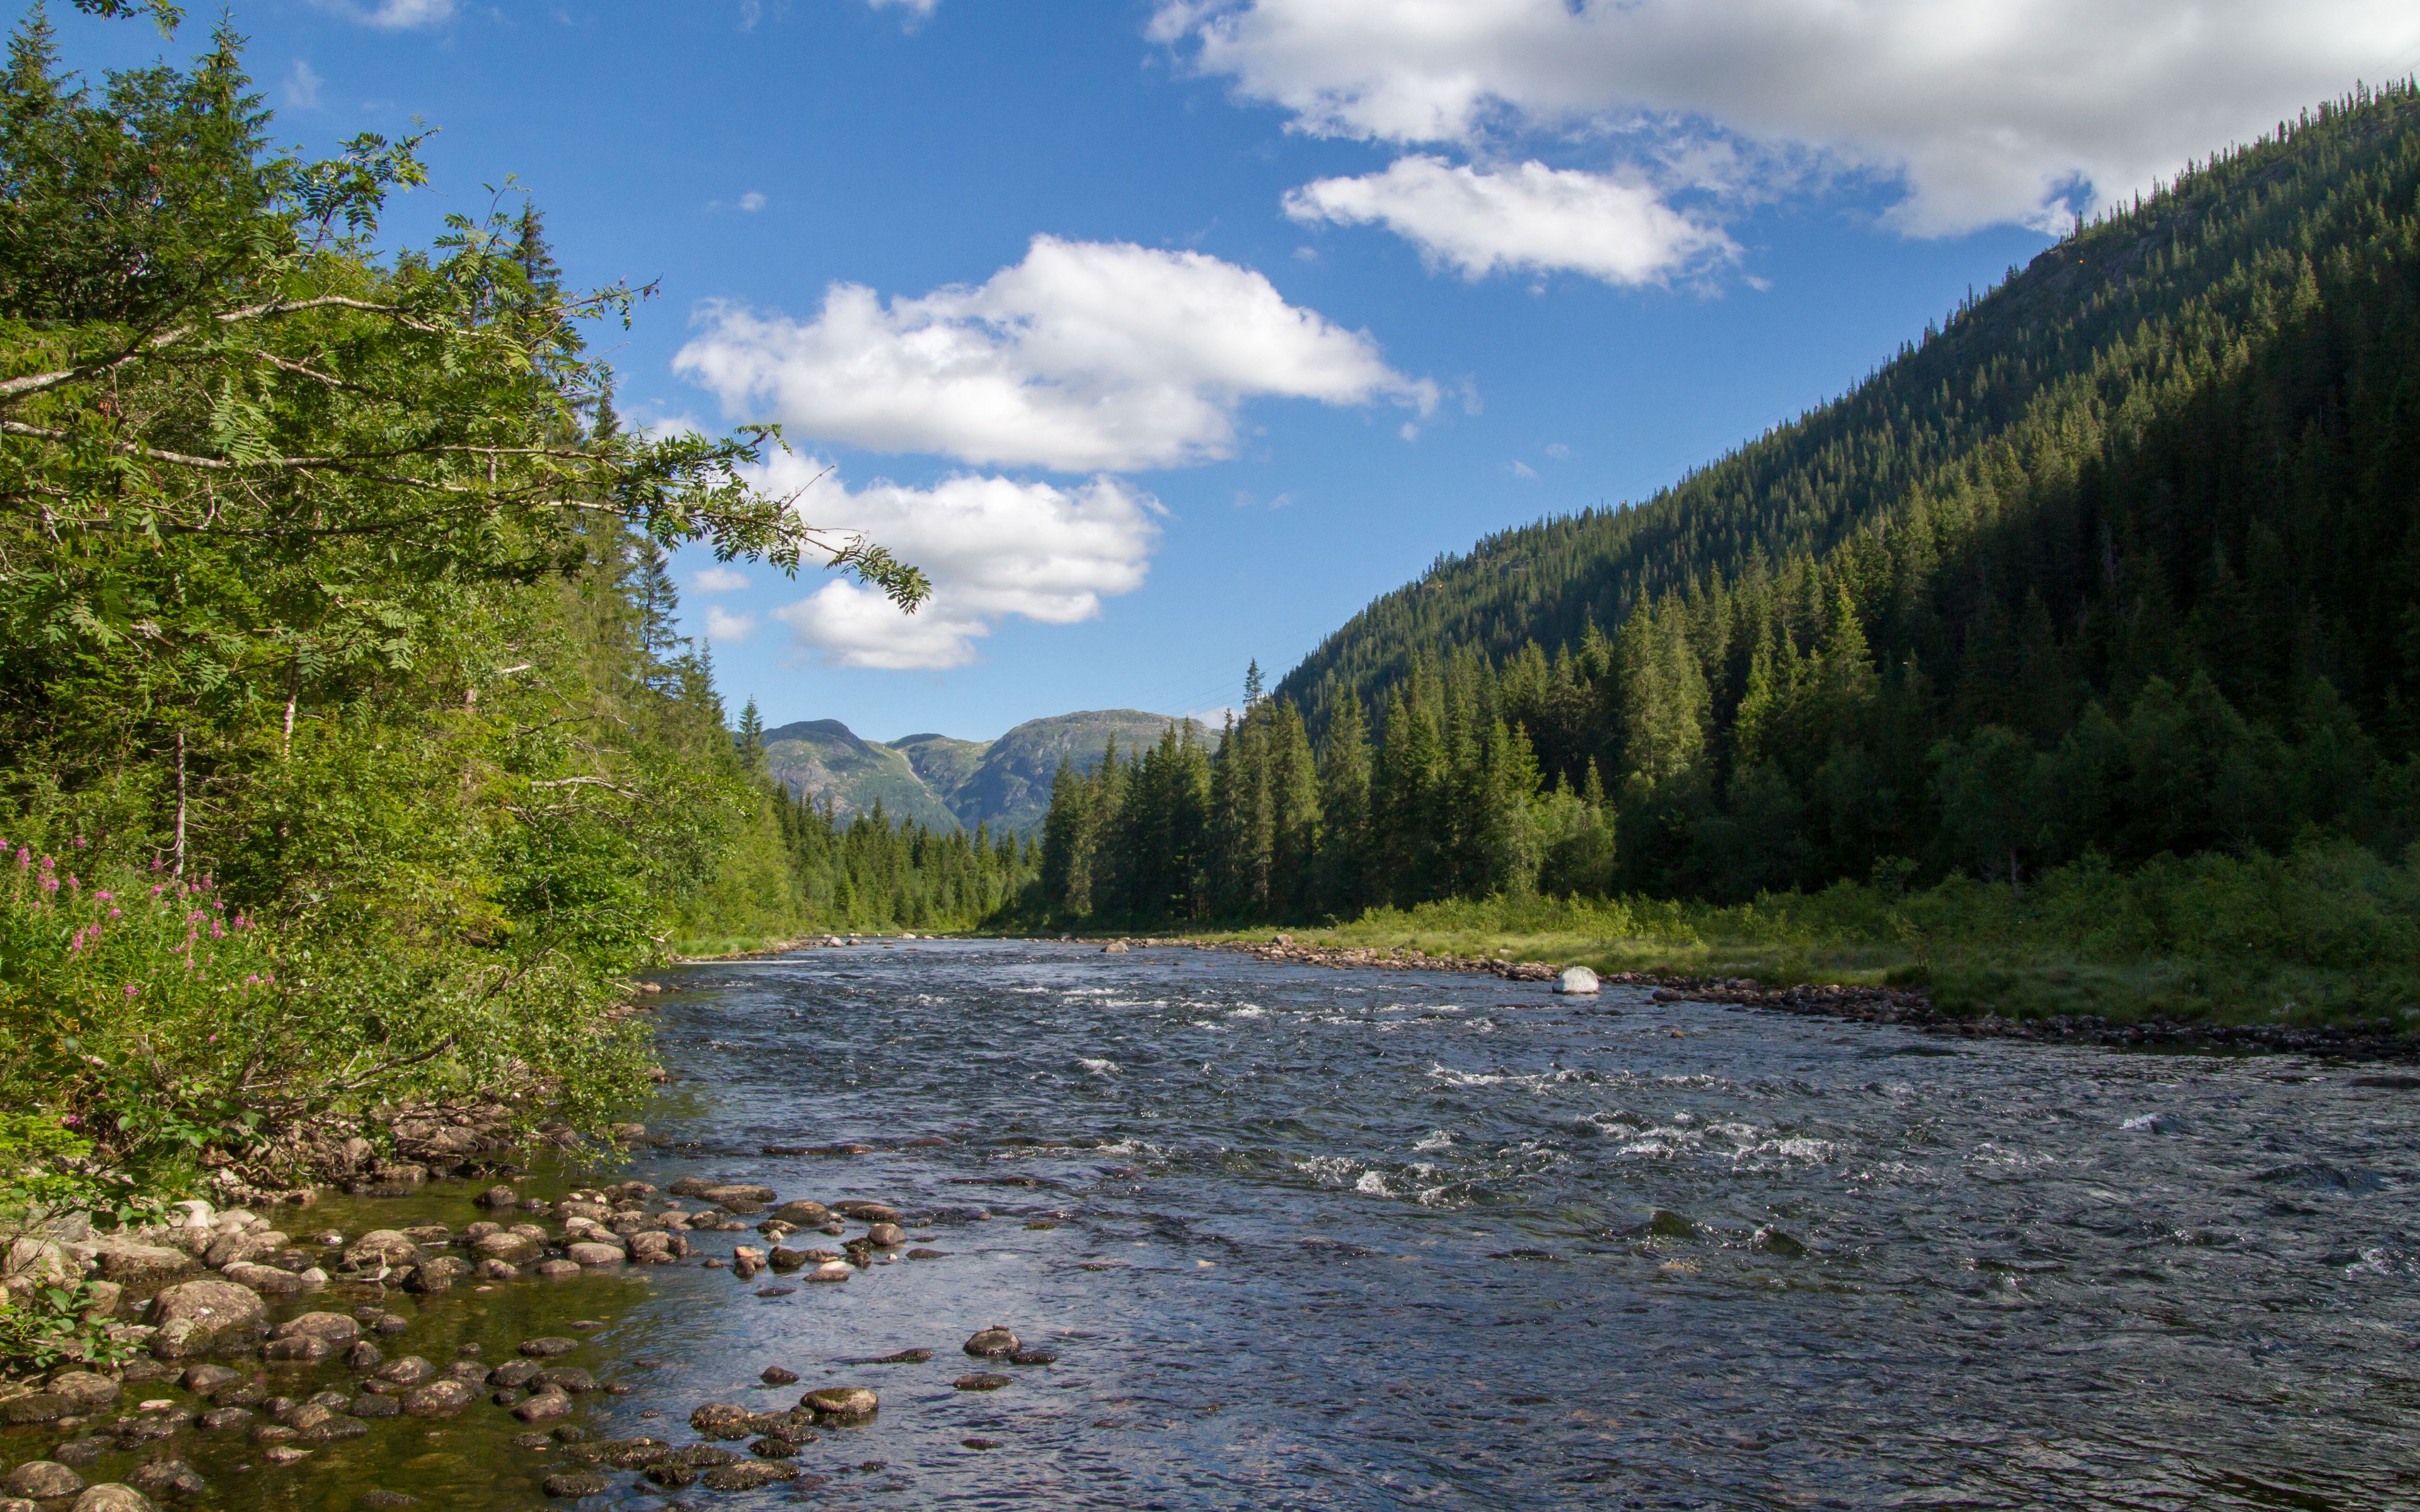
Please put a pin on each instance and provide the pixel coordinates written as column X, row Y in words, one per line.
column 41, row 1407
column 285, row 1453
column 981, row 1382
column 656, row 1248
column 437, row 1275
column 381, row 1249
column 723, row 1420
column 1114, row 948
column 576, row 1483
column 335, row 1328
column 302, row 1349
column 499, row 1195
column 554, row 1269
column 368, row 1406
column 498, row 1271
column 193, row 1317
column 166, row 1477
column 738, row 1196
column 747, row 1475
column 829, row 1271
column 775, row 1375
column 804, row 1215
column 112, row 1496
column 79, row 1453
column 364, row 1357
column 840, row 1404
column 385, row 1501
column 39, row 1480
column 568, row 1377
column 411, row 1370
column 514, row 1373
column 1577, row 981
column 868, row 1213
column 543, row 1406
column 231, row 1247
column 439, row 1399
column 84, row 1388
column 889, row 1236
column 588, row 1253
column 510, row 1245
column 226, row 1419
column 548, row 1347
column 129, row 1264
column 267, row 1279
column 993, row 1343
column 1033, row 1357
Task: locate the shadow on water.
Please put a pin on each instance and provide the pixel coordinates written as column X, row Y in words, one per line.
column 1310, row 1238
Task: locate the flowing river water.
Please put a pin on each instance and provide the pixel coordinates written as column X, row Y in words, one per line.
column 1310, row 1238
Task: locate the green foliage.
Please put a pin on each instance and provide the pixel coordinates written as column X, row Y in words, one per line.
column 337, row 659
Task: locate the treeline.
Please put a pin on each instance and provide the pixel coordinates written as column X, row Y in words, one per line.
column 2124, row 560
column 809, row 871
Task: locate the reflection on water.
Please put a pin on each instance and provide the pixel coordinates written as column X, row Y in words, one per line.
column 1310, row 1238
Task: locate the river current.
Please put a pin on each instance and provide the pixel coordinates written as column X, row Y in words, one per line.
column 1320, row 1239
column 1349, row 1239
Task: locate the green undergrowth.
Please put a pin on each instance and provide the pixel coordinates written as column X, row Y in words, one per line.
column 2328, row 934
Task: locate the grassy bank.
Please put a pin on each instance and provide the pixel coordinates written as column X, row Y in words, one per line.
column 2326, row 934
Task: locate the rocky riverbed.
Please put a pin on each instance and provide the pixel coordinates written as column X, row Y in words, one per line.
column 1270, row 1232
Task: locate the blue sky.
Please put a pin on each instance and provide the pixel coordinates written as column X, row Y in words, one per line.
column 1166, row 333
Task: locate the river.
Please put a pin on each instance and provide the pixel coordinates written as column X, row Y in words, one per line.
column 1310, row 1238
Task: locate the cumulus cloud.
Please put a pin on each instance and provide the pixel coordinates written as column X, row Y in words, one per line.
column 719, row 581
column 723, row 625
column 1987, row 111
column 917, row 9
column 992, row 547
column 751, row 201
column 1085, row 357
column 1528, row 218
column 394, row 15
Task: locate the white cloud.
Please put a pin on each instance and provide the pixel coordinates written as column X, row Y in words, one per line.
column 917, row 9
column 751, row 201
column 1528, row 218
column 1987, row 110
column 1560, row 452
column 394, row 15
column 302, row 86
column 1409, row 431
column 1085, row 357
column 718, row 580
column 723, row 625
column 1523, row 471
column 992, row 547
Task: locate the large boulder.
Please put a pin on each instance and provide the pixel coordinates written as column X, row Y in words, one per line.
column 436, row 1274
column 1577, row 981
column 227, row 1249
column 593, row 1254
column 86, row 1388
column 266, row 1278
column 195, row 1316
column 113, row 1496
column 658, row 1248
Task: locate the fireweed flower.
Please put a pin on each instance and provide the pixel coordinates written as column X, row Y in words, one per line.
column 102, row 895
column 132, row 989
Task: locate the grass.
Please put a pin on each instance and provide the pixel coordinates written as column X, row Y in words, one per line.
column 2327, row 935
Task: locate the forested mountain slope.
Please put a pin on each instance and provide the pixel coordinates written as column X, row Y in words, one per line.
column 2270, row 287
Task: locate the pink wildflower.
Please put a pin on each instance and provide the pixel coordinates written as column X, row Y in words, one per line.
column 102, row 895
column 132, row 989
column 80, row 843
column 116, row 912
column 216, row 932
